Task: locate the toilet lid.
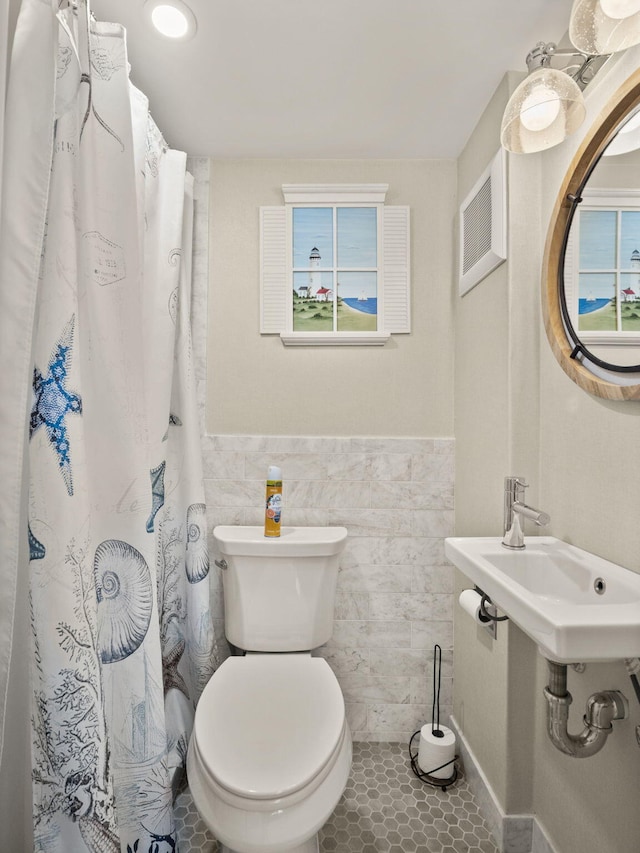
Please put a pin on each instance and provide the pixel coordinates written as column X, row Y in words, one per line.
column 267, row 724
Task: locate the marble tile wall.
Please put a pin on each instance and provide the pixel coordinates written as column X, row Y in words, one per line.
column 395, row 590
column 395, row 497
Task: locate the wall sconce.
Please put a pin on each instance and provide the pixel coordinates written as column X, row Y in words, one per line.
column 604, row 26
column 548, row 105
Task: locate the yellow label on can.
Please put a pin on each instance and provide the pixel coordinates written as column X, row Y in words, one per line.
column 273, row 509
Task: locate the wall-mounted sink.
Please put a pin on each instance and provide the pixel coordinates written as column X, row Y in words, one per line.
column 574, row 605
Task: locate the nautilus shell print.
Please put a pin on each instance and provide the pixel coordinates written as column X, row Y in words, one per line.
column 197, row 557
column 125, row 599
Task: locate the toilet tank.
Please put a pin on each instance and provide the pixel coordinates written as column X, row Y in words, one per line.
column 279, row 593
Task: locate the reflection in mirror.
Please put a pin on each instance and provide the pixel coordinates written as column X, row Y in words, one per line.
column 591, row 274
column 602, row 255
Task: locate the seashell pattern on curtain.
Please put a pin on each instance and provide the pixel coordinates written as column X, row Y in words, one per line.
column 119, row 591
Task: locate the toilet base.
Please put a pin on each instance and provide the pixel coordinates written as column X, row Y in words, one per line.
column 310, row 846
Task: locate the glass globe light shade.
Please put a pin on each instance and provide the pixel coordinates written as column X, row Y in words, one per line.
column 600, row 27
column 545, row 108
column 620, row 8
column 540, row 108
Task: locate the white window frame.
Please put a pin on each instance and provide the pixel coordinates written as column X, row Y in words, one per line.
column 277, row 303
column 616, row 200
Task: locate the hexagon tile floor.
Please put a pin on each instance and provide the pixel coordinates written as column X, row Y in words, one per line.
column 384, row 809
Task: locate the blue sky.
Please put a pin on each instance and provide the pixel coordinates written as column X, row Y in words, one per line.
column 357, row 236
column 598, row 238
column 597, row 286
column 598, row 250
column 353, row 285
column 312, row 228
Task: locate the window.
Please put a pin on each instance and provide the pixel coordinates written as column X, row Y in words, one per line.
column 334, row 266
column 602, row 268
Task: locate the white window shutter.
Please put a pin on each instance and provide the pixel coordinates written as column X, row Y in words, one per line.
column 397, row 291
column 273, row 270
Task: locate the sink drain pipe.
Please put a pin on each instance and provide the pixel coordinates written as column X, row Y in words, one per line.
column 602, row 709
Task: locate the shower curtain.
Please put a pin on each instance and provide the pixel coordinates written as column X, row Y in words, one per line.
column 110, row 522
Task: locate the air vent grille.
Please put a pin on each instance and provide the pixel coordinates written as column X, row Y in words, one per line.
column 477, row 227
column 483, row 238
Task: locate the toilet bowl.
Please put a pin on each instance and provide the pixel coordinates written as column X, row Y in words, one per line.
column 270, row 753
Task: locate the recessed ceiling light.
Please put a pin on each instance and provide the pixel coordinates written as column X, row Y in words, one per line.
column 172, row 18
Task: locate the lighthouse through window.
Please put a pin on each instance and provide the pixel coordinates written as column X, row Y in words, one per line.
column 609, row 270
column 335, row 268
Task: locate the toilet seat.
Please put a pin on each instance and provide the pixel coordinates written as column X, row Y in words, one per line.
column 268, row 725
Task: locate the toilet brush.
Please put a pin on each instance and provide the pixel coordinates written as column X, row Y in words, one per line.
column 434, row 762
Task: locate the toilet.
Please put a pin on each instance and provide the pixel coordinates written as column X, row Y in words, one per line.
column 270, row 752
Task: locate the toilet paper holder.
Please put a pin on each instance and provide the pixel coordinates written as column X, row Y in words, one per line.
column 487, row 615
column 429, row 777
column 438, row 741
column 479, row 606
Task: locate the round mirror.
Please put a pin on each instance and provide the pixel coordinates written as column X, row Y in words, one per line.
column 591, row 273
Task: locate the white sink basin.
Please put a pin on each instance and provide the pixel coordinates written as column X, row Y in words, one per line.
column 577, row 607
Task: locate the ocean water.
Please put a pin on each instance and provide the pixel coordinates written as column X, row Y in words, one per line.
column 368, row 306
column 586, row 306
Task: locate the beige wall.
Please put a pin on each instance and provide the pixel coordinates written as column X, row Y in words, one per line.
column 257, row 386
column 481, row 401
column 574, row 450
column 496, row 435
column 363, row 436
column 590, row 485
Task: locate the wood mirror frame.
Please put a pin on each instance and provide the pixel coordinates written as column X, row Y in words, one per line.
column 625, row 99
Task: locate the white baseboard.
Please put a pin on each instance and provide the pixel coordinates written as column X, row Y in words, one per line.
column 512, row 833
column 541, row 842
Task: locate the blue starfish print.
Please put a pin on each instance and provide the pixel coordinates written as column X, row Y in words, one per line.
column 53, row 402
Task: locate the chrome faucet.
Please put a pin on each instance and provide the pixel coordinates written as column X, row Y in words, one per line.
column 514, row 507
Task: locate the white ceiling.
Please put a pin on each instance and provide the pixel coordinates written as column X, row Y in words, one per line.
column 331, row 79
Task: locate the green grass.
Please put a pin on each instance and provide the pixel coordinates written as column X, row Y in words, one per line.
column 312, row 316
column 604, row 320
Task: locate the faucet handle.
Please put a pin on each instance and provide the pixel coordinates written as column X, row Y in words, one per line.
column 513, row 482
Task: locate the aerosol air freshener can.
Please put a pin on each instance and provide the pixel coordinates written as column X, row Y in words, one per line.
column 273, row 510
